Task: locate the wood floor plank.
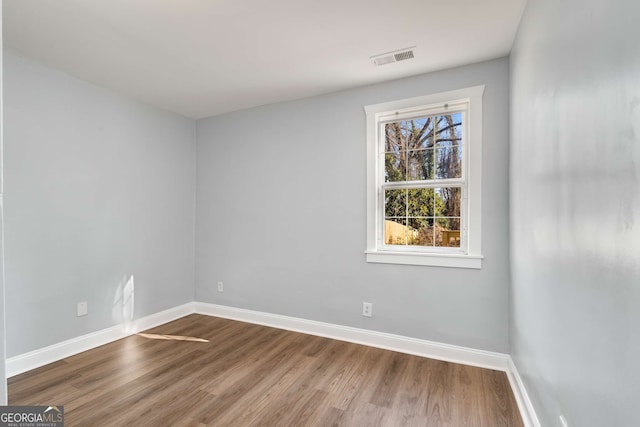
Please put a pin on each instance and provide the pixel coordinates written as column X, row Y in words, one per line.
column 498, row 400
column 467, row 398
column 331, row 417
column 278, row 361
column 347, row 382
column 252, row 375
column 387, row 387
column 267, row 343
column 262, row 401
column 439, row 404
column 409, row 406
column 372, row 368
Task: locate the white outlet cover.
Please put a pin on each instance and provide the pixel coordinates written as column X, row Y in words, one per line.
column 82, row 309
column 220, row 287
column 367, row 309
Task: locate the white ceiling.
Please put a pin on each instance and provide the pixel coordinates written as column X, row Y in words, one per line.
column 205, row 57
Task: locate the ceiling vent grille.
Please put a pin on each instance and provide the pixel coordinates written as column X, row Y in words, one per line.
column 395, row 56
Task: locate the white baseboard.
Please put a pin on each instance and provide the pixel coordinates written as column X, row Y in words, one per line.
column 529, row 417
column 43, row 356
column 418, row 347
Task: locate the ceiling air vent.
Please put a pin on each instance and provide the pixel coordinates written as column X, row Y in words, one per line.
column 395, row 56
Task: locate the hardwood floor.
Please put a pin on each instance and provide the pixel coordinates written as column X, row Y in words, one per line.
column 254, row 375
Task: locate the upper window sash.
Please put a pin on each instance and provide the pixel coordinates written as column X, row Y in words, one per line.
column 433, row 182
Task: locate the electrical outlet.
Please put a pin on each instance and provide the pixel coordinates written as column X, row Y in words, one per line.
column 220, row 287
column 82, row 309
column 367, row 309
column 563, row 421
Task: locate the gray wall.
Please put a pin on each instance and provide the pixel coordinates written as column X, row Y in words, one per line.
column 575, row 210
column 97, row 188
column 281, row 217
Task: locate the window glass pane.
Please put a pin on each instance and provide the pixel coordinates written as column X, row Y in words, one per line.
column 394, row 167
column 395, row 137
column 448, row 162
column 395, row 231
column 447, row 201
column 420, row 202
column 449, row 129
column 395, row 203
column 448, row 232
column 420, row 232
column 423, row 135
column 420, row 165
column 410, row 134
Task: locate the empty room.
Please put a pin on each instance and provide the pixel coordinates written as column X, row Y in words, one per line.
column 320, row 213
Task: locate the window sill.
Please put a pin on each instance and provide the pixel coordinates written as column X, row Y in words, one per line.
column 434, row 260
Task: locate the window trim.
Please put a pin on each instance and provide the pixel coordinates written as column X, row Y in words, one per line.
column 472, row 257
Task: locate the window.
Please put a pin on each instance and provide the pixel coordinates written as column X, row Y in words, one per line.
column 424, row 180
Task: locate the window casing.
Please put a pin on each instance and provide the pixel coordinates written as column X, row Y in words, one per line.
column 424, row 180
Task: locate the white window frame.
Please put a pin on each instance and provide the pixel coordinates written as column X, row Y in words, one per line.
column 469, row 255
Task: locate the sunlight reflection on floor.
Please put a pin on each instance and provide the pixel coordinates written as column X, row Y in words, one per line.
column 172, row 337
